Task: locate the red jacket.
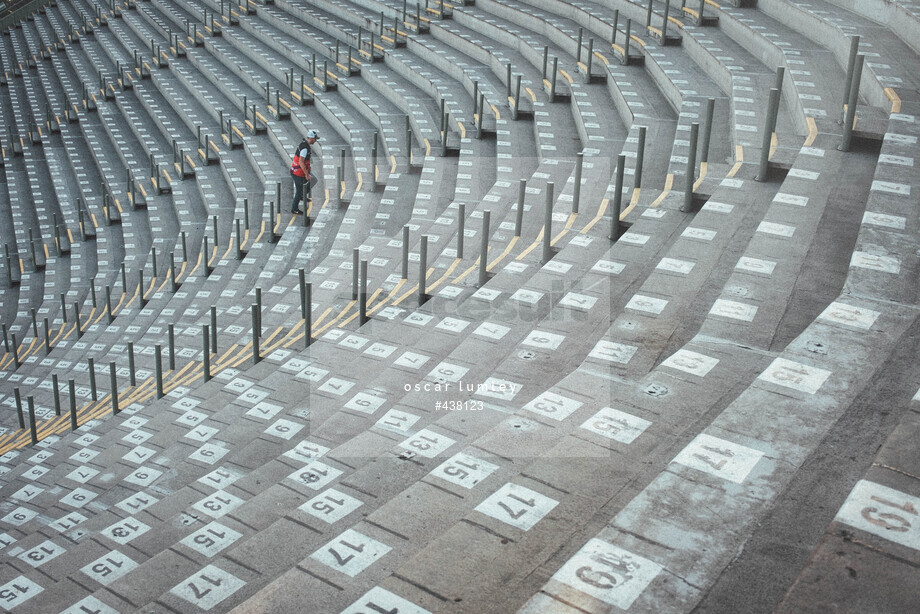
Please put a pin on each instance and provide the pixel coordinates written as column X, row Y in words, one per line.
column 303, row 152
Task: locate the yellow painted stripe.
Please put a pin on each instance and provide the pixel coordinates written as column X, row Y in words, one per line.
column 565, row 229
column 812, row 131
column 502, row 255
column 704, row 168
column 600, row 214
column 532, row 246
column 739, row 161
column 894, row 98
column 446, row 274
column 668, row 184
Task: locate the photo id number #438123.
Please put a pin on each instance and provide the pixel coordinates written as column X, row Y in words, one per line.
column 467, row 405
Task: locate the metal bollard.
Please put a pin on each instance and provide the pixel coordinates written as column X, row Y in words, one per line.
column 16, row 395
column 443, row 125
column 47, row 335
column 259, row 309
column 355, row 255
column 576, row 191
column 552, row 80
column 851, row 66
column 616, row 24
column 664, row 20
column 548, row 224
column 691, row 167
column 15, row 351
column 124, row 280
column 581, row 33
column 461, row 220
column 405, row 253
column 71, row 388
column 32, row 431
column 6, row 341
column 617, row 199
column 508, row 80
column 589, row 60
column 57, row 236
column 362, row 295
column 213, row 329
column 626, row 42
column 34, row 322
column 92, row 292
column 648, row 14
column 519, row 217
column 484, row 248
column 851, row 105
column 205, row 354
column 32, row 250
column 76, row 316
column 339, row 179
column 171, row 340
column 140, row 286
column 423, row 270
column 255, row 334
column 184, row 248
column 707, row 134
column 114, row 385
column 768, row 128
column 56, row 391
column 158, row 369
column 92, row 377
column 239, row 240
column 172, row 272
column 517, row 97
column 374, row 158
column 153, row 261
column 205, row 256
column 408, row 141
column 271, row 221
column 131, row 373
column 308, row 319
column 640, row 156
column 302, row 282
column 214, row 223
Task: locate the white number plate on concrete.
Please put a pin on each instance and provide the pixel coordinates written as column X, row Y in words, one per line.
column 883, row 511
column 208, row 587
column 608, row 573
column 516, row 505
column 795, row 375
column 381, row 600
column 464, row 470
column 723, row 459
column 351, row 552
column 616, row 425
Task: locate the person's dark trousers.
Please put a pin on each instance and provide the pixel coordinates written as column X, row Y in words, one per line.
column 298, row 191
column 299, row 183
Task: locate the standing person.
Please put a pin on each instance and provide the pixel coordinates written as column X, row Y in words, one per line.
column 300, row 170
